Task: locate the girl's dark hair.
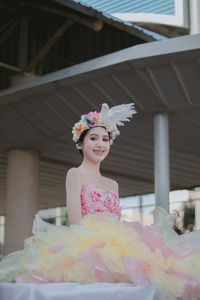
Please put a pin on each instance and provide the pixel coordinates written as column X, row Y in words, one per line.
column 82, row 136
column 80, row 140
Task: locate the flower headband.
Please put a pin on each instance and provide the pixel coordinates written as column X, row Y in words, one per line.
column 107, row 117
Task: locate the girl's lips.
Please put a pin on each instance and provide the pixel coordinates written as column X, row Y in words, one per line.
column 99, row 151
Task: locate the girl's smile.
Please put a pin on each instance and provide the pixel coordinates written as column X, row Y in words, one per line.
column 99, row 152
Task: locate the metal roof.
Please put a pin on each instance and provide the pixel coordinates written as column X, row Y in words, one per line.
column 168, row 18
column 137, row 6
column 107, row 17
column 157, row 76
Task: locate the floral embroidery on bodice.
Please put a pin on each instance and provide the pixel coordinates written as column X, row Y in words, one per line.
column 95, row 199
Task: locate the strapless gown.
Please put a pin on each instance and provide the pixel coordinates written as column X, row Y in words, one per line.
column 103, row 249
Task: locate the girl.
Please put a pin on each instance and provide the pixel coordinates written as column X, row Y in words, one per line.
column 97, row 246
column 94, row 134
column 95, row 147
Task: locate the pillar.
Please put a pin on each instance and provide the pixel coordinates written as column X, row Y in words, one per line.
column 194, row 16
column 21, row 197
column 161, row 160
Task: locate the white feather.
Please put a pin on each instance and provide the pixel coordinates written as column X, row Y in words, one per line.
column 116, row 115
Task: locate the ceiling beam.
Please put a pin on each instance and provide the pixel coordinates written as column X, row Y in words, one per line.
column 92, row 23
column 50, row 43
column 10, row 67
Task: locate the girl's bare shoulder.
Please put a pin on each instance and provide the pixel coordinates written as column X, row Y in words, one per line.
column 112, row 184
column 73, row 173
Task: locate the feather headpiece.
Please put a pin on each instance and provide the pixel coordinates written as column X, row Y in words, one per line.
column 109, row 118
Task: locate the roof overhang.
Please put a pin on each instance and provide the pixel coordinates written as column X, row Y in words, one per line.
column 159, row 77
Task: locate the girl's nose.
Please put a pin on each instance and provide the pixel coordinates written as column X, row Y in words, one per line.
column 99, row 143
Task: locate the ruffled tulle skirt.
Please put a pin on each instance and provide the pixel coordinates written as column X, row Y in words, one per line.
column 103, row 249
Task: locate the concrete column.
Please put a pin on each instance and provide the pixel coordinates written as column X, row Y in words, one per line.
column 194, row 13
column 22, row 197
column 161, row 160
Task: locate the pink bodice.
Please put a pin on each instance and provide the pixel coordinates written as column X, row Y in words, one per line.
column 94, row 200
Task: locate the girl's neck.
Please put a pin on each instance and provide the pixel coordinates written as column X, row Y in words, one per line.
column 93, row 168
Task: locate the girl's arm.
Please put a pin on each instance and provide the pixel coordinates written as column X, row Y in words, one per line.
column 73, row 194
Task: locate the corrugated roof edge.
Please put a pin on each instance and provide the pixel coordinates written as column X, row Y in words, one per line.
column 129, row 27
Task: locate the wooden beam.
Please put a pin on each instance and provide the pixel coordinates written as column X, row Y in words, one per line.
column 51, row 42
column 9, row 67
column 92, row 23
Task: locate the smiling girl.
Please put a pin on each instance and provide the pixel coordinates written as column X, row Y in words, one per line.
column 95, row 147
column 93, row 135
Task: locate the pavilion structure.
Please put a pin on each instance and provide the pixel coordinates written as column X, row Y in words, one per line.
column 72, row 72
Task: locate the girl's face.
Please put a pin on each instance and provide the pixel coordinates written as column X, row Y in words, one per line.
column 96, row 144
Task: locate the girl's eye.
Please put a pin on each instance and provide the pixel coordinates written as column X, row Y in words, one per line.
column 104, row 139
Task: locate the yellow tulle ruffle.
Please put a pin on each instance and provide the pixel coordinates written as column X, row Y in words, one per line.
column 102, row 248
